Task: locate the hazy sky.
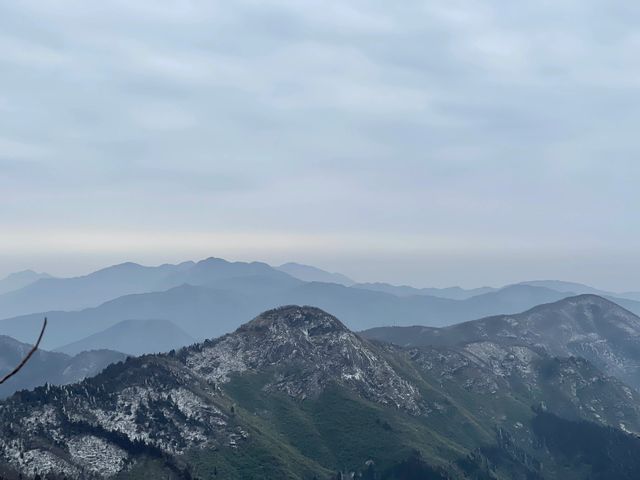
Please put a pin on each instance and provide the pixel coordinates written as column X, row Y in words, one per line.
column 431, row 143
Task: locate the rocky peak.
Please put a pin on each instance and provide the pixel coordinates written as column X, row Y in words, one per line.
column 305, row 349
column 174, row 402
column 584, row 304
column 293, row 319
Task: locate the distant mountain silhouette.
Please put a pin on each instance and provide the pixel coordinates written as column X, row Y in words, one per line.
column 133, row 337
column 454, row 293
column 208, row 311
column 124, row 279
column 579, row 289
column 313, row 274
column 18, row 280
column 85, row 291
column 49, row 367
column 213, row 296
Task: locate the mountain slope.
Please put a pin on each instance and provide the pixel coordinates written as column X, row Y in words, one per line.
column 81, row 292
column 587, row 326
column 319, row 346
column 214, row 270
column 308, row 273
column 360, row 307
column 295, row 394
column 580, row 289
column 222, row 305
column 453, row 293
column 213, row 296
column 55, row 294
column 133, row 337
column 18, row 280
column 200, row 311
column 49, row 367
column 457, row 293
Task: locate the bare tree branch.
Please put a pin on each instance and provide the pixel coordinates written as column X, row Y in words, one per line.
column 26, row 359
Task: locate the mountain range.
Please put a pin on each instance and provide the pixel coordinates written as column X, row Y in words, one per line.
column 587, row 326
column 309, row 273
column 209, row 311
column 128, row 278
column 579, row 288
column 209, row 298
column 295, row 394
column 453, row 293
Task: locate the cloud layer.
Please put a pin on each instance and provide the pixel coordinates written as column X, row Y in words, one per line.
column 424, row 136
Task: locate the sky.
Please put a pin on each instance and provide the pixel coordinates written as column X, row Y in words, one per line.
column 431, row 143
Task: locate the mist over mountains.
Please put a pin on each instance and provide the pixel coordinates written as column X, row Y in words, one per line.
column 18, row 280
column 209, row 298
column 314, row 274
column 440, row 383
column 133, row 337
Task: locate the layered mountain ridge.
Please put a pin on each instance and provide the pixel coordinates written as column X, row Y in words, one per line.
column 212, row 297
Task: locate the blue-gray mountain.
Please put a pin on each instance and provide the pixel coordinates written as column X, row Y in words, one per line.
column 19, row 280
column 212, row 297
column 133, row 337
column 49, row 367
column 454, row 293
column 221, row 306
column 128, row 278
column 309, row 273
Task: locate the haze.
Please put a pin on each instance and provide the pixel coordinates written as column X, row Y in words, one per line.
column 431, row 143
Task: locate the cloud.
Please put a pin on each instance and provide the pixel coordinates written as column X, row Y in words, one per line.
column 473, row 119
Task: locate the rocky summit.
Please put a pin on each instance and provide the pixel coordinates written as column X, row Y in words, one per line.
column 309, row 349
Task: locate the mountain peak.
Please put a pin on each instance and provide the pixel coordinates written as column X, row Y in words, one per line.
column 591, row 298
column 124, row 265
column 27, row 273
column 212, row 261
column 585, row 300
column 312, row 320
column 309, row 349
column 17, row 280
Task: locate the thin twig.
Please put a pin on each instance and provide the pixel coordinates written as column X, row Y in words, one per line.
column 26, row 359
